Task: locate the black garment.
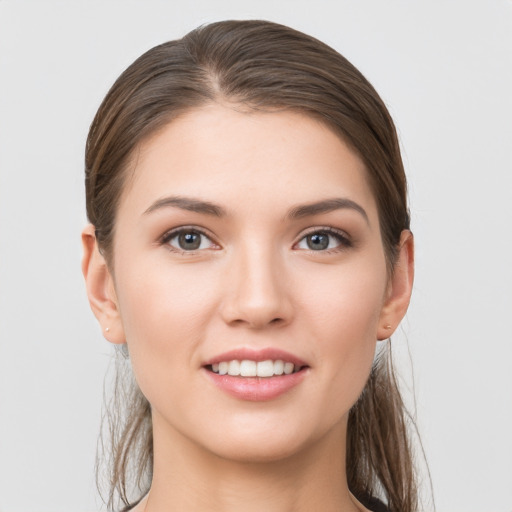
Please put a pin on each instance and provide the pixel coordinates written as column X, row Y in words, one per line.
column 374, row 504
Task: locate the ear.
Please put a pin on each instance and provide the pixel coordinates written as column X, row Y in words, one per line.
column 100, row 288
column 398, row 293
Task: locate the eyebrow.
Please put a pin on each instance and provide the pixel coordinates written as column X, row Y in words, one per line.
column 325, row 206
column 298, row 212
column 188, row 203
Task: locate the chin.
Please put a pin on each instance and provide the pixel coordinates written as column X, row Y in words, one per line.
column 271, row 444
column 261, row 454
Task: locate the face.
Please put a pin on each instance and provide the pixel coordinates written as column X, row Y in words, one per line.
column 249, row 237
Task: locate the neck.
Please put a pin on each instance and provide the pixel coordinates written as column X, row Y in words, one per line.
column 187, row 477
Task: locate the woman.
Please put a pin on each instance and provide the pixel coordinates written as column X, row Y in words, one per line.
column 249, row 245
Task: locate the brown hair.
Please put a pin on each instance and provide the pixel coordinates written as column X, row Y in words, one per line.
column 259, row 65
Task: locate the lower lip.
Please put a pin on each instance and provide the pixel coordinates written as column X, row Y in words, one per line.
column 256, row 389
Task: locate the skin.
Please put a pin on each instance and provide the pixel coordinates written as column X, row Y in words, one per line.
column 253, row 283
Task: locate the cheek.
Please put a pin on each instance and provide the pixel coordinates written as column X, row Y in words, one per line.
column 164, row 314
column 345, row 310
column 347, row 301
column 154, row 294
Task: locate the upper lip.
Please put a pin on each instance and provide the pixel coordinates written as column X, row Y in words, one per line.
column 265, row 354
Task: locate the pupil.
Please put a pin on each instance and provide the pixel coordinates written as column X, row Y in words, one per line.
column 318, row 241
column 189, row 241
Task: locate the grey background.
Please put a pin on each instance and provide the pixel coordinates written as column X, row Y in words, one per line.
column 445, row 70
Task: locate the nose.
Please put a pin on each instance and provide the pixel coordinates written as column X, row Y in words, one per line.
column 257, row 292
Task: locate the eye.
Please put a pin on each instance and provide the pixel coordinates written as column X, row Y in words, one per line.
column 188, row 239
column 324, row 240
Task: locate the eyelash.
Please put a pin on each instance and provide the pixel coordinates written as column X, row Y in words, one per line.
column 341, row 237
column 343, row 240
column 167, row 237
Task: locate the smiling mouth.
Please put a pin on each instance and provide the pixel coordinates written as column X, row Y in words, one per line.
column 249, row 368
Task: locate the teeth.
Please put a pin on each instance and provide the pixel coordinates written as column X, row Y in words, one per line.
column 248, row 368
column 278, row 367
column 265, row 369
column 223, row 368
column 234, row 368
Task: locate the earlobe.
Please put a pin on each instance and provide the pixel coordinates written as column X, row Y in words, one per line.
column 400, row 288
column 100, row 288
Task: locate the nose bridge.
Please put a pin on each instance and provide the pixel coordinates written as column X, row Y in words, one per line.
column 258, row 294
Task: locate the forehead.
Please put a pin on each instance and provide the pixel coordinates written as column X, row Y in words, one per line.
column 258, row 158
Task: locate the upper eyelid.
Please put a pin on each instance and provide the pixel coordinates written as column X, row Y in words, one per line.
column 324, row 229
column 344, row 240
column 171, row 233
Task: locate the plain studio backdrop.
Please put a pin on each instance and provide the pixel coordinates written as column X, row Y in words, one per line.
column 444, row 68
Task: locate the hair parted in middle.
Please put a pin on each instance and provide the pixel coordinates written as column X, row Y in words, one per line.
column 256, row 66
